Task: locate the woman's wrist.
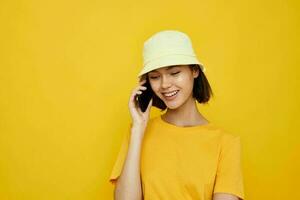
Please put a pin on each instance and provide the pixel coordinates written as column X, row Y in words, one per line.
column 137, row 132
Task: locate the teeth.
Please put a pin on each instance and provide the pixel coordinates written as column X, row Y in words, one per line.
column 171, row 94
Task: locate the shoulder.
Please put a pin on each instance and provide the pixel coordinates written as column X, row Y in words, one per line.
column 230, row 143
column 224, row 134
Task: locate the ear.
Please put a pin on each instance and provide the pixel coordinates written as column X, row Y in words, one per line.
column 195, row 71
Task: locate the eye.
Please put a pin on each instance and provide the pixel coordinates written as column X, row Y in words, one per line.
column 175, row 73
column 153, row 77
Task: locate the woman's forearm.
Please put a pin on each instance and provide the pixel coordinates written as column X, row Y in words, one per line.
column 128, row 185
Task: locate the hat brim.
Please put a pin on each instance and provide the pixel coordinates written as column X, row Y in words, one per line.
column 169, row 60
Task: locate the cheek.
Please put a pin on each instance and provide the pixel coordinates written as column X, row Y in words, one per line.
column 155, row 87
column 186, row 84
column 183, row 81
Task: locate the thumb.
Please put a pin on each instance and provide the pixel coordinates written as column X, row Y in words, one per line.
column 149, row 105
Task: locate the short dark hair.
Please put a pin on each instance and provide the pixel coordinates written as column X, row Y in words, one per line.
column 202, row 91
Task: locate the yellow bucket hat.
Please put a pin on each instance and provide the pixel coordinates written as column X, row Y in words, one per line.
column 168, row 47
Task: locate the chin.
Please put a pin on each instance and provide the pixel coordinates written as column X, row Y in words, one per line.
column 172, row 105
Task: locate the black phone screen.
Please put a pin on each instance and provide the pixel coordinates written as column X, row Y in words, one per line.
column 144, row 98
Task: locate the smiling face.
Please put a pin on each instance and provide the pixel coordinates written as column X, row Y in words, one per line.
column 173, row 84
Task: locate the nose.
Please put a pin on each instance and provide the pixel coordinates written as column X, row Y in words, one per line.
column 165, row 82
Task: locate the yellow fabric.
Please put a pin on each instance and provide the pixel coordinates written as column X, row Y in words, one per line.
column 186, row 163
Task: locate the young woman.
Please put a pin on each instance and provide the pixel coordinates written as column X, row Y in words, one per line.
column 178, row 155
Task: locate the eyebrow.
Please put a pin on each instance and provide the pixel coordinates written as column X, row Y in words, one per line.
column 168, row 68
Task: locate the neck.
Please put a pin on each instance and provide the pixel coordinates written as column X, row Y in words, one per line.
column 186, row 115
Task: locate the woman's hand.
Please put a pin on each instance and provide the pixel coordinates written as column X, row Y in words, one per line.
column 139, row 118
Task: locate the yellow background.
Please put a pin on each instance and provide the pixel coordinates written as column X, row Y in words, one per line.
column 67, row 69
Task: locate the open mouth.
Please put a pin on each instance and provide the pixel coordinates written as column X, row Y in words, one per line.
column 170, row 95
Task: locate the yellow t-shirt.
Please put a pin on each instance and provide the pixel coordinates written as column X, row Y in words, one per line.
column 186, row 163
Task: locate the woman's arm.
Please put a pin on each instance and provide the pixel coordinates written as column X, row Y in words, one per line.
column 128, row 185
column 225, row 196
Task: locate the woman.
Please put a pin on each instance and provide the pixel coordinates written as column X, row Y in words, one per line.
column 178, row 155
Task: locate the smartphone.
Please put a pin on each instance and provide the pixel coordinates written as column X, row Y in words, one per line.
column 144, row 98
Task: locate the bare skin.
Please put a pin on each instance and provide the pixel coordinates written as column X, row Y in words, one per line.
column 128, row 185
column 180, row 112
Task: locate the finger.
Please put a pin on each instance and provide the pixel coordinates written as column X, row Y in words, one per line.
column 142, row 78
column 135, row 99
column 142, row 82
column 141, row 88
column 136, row 91
column 135, row 106
column 138, row 109
column 149, row 105
column 133, row 96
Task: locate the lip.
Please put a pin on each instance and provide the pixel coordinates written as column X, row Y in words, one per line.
column 169, row 91
column 172, row 97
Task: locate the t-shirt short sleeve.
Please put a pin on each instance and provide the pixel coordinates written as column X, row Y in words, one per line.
column 229, row 178
column 118, row 166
